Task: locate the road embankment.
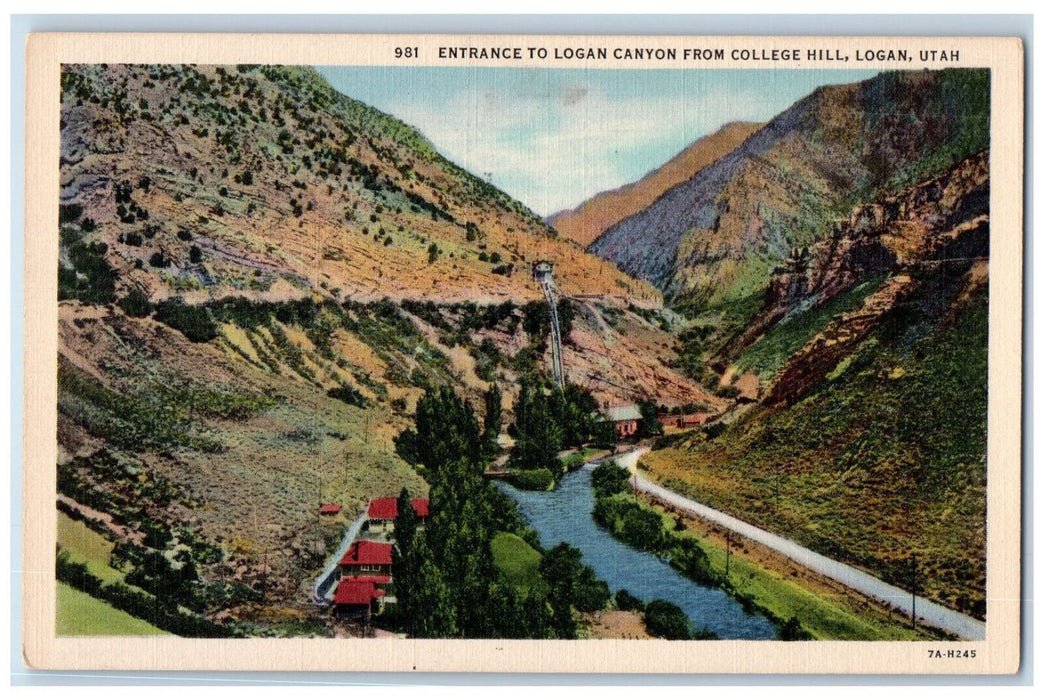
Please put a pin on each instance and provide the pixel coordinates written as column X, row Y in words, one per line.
column 924, row 610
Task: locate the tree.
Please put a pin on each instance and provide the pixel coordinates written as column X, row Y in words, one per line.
column 604, row 435
column 433, row 253
column 538, row 436
column 536, row 321
column 447, row 430
column 136, row 303
column 536, row 621
column 609, row 478
column 403, row 558
column 643, row 529
column 666, row 620
column 432, row 614
column 193, row 321
column 491, row 422
column 649, row 425
column 626, row 601
column 571, row 584
column 406, row 446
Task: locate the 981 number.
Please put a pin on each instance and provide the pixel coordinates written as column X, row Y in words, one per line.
column 406, row 52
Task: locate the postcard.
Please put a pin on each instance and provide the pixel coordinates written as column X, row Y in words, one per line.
column 523, row 353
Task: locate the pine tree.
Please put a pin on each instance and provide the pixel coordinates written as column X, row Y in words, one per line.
column 432, row 614
column 402, row 560
column 491, row 422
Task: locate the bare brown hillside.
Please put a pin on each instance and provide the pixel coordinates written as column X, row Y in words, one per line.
column 263, row 181
column 592, row 218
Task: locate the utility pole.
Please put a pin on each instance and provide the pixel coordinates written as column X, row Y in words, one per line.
column 264, row 576
column 777, row 488
column 913, row 591
column 728, row 552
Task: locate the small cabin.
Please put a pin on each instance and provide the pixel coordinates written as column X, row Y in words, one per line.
column 381, row 514
column 329, row 509
column 366, row 558
column 689, row 420
column 625, row 419
column 357, row 599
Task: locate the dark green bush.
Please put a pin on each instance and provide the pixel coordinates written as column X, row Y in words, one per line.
column 69, row 213
column 136, row 303
column 626, row 601
column 91, row 280
column 609, row 478
column 193, row 321
column 349, row 395
column 533, row 479
column 666, row 620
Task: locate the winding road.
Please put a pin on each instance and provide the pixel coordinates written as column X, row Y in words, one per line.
column 932, row 613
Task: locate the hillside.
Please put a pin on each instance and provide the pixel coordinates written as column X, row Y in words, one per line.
column 263, row 181
column 711, row 242
column 258, row 279
column 835, row 269
column 869, row 441
column 593, row 217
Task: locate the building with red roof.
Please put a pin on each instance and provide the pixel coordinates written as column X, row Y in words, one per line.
column 381, row 514
column 329, row 509
column 366, row 558
column 355, row 598
column 383, row 509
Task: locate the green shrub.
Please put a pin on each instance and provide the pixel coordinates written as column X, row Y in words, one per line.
column 136, row 303
column 192, row 321
column 91, row 279
column 609, row 478
column 533, row 479
column 69, row 213
column 666, row 620
column 626, row 601
column 349, row 395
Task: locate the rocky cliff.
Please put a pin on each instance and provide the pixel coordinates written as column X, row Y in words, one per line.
column 938, row 225
column 712, row 240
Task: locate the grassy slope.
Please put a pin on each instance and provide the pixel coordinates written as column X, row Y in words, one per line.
column 78, row 614
column 516, row 559
column 823, row 615
column 87, row 547
column 880, row 463
column 767, row 355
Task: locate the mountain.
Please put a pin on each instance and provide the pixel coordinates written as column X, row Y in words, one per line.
column 594, row 216
column 258, row 280
column 710, row 242
column 867, row 440
column 204, row 181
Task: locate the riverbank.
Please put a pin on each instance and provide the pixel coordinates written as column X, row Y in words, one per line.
column 927, row 612
column 565, row 515
column 776, row 584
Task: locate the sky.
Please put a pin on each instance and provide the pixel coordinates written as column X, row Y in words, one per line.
column 552, row 138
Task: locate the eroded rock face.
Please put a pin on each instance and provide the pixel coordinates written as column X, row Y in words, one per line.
column 710, row 236
column 941, row 223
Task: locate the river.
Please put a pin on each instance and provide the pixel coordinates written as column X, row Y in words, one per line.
column 564, row 515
